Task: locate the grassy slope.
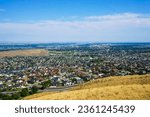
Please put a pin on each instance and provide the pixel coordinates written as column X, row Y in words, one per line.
column 30, row 52
column 125, row 87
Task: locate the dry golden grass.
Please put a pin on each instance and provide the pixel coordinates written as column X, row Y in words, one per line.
column 38, row 95
column 30, row 52
column 116, row 80
column 113, row 88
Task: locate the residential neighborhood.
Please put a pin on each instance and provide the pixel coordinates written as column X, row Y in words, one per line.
column 72, row 65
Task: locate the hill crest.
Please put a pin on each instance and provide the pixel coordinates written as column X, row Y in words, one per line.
column 136, row 87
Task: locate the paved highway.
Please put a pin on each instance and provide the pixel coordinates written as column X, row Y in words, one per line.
column 57, row 89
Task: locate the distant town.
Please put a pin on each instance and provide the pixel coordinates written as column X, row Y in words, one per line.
column 67, row 65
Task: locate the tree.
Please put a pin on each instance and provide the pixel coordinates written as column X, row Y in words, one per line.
column 45, row 84
column 15, row 96
column 34, row 89
column 5, row 97
column 74, row 80
column 24, row 92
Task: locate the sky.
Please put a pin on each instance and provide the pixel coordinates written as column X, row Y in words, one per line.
column 74, row 21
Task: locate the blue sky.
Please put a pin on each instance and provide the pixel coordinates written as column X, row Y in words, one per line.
column 74, row 20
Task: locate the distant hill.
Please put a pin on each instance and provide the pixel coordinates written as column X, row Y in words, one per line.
column 136, row 87
column 30, row 52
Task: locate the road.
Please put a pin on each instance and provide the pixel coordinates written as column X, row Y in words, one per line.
column 50, row 89
column 57, row 89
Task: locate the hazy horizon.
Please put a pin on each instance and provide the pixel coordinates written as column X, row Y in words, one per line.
column 71, row 42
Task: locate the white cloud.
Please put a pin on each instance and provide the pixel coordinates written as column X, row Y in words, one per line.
column 126, row 26
column 2, row 10
column 123, row 16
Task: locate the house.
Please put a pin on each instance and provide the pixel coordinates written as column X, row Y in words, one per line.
column 1, row 86
column 55, row 81
column 101, row 75
column 1, row 82
column 68, row 83
column 79, row 80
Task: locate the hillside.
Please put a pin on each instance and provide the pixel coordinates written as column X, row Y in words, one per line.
column 134, row 87
column 30, row 52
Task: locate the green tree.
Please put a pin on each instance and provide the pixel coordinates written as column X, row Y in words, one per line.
column 5, row 97
column 24, row 92
column 74, row 80
column 34, row 89
column 15, row 96
column 46, row 84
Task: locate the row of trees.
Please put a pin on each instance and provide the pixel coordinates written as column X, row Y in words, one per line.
column 18, row 95
column 24, row 92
